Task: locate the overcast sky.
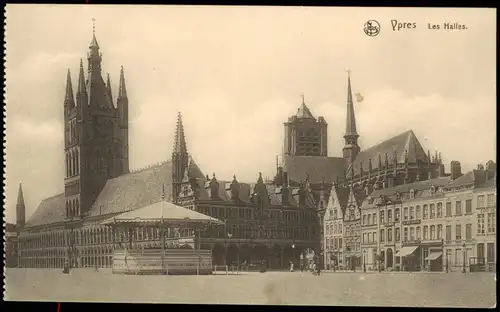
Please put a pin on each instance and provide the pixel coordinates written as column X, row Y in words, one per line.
column 237, row 73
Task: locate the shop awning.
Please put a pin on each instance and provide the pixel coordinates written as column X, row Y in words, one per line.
column 406, row 251
column 434, row 255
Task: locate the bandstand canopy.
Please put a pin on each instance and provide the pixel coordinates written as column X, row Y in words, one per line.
column 168, row 213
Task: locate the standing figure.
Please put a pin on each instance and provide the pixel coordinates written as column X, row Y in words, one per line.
column 291, row 266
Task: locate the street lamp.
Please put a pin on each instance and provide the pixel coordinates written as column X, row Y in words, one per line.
column 293, row 252
column 364, row 260
column 465, row 250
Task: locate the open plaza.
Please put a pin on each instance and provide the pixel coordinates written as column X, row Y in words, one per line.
column 337, row 289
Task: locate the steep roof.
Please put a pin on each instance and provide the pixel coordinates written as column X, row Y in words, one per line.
column 406, row 141
column 319, row 168
column 304, row 112
column 139, row 189
column 50, row 210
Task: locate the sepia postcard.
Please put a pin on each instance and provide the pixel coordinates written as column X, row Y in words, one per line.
column 250, row 155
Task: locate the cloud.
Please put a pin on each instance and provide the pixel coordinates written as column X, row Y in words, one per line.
column 236, row 75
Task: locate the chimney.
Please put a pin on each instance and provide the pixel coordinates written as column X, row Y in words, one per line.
column 455, row 169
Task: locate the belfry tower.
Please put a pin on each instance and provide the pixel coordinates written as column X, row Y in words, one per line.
column 95, row 134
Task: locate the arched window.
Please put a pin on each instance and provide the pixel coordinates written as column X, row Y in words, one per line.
column 389, row 235
column 389, row 215
column 397, row 215
column 433, row 232
column 412, row 213
column 432, row 211
column 417, row 209
column 426, row 212
column 382, row 235
column 426, row 232
column 419, row 233
column 405, row 214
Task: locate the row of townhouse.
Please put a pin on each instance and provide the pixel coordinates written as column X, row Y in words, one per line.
column 446, row 223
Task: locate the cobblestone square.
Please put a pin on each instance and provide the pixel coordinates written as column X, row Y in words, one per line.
column 337, row 289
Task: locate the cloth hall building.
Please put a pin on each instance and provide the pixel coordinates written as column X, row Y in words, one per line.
column 273, row 221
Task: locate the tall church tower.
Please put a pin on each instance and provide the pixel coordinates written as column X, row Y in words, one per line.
column 180, row 159
column 351, row 148
column 95, row 135
column 306, row 135
column 20, row 209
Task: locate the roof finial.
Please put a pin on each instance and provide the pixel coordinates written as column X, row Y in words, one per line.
column 303, row 98
column 93, row 26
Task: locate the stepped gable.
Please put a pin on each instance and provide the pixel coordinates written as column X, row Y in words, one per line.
column 51, row 210
column 406, row 141
column 319, row 168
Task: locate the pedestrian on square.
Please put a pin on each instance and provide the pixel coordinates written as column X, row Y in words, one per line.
column 291, row 266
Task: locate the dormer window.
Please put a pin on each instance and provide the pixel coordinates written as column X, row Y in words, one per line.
column 370, row 200
column 433, row 189
column 412, row 194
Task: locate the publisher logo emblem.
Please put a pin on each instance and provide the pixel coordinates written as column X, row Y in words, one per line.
column 372, row 28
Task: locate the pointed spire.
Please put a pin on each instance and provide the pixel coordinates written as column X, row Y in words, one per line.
column 20, row 196
column 428, row 158
column 20, row 208
column 69, row 99
column 108, row 86
column 379, row 162
column 260, row 180
column 406, row 157
column 386, row 161
column 81, row 81
column 180, row 147
column 122, row 89
column 93, row 43
column 440, row 159
column 234, row 180
column 351, row 118
column 436, row 156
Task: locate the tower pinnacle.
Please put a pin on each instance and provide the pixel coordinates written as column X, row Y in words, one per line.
column 180, row 146
column 122, row 89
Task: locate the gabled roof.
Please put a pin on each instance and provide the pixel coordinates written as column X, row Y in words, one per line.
column 406, row 141
column 340, row 194
column 50, row 210
column 318, row 168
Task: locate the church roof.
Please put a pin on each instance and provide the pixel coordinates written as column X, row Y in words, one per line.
column 304, row 112
column 50, row 210
column 319, row 168
column 406, row 141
